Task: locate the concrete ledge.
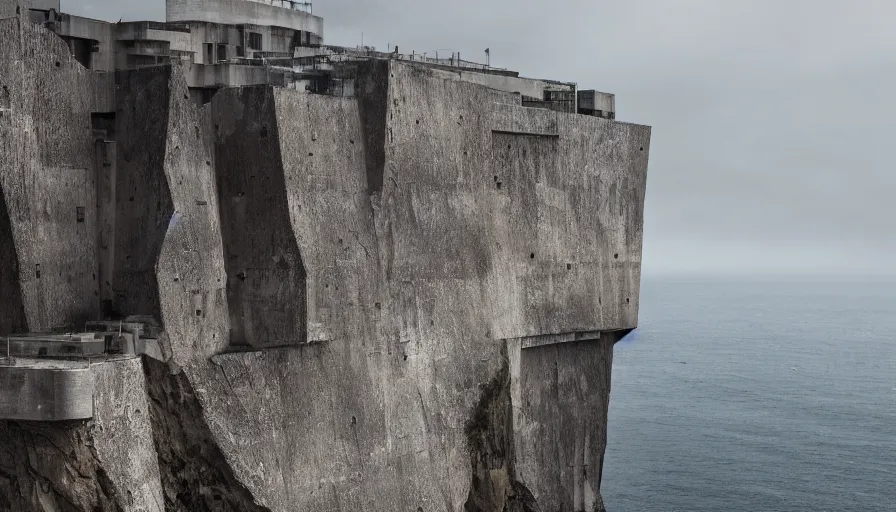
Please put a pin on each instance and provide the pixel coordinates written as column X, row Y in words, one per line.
column 555, row 339
column 46, row 391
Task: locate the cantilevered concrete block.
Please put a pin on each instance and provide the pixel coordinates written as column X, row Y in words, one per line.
column 435, row 221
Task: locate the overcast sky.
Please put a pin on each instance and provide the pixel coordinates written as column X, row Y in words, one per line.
column 772, row 119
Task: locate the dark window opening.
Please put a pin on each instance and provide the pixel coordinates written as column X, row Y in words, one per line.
column 254, row 41
column 240, row 52
column 79, row 213
column 209, row 53
column 222, row 52
column 81, row 50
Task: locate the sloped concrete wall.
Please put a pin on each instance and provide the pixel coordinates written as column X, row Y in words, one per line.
column 143, row 209
column 47, row 179
column 372, row 415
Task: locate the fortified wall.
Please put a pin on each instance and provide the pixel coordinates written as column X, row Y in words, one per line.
column 402, row 298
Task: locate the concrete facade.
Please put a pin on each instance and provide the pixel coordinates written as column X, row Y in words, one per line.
column 223, row 42
column 274, row 13
column 403, row 298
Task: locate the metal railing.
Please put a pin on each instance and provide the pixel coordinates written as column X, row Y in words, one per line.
column 453, row 61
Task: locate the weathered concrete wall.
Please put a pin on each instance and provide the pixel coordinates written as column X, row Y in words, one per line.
column 169, row 261
column 8, row 8
column 266, row 276
column 560, row 396
column 237, row 12
column 47, row 179
column 488, row 222
column 554, row 229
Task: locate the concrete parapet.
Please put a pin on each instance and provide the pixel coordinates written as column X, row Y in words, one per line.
column 38, row 390
column 239, row 12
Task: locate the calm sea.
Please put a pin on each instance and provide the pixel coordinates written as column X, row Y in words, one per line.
column 755, row 395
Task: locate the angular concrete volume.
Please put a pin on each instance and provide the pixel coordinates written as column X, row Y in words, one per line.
column 401, row 296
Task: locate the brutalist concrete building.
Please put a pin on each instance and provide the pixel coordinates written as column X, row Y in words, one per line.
column 244, row 270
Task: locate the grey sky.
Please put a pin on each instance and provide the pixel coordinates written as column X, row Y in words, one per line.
column 772, row 119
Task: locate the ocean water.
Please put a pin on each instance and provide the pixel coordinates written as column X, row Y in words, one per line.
column 755, row 395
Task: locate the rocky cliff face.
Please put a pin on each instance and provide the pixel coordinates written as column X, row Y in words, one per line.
column 405, row 300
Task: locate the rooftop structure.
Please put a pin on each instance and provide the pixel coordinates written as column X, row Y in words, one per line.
column 225, row 43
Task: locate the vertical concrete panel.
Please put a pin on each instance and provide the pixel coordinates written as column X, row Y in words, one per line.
column 169, row 260
column 48, row 179
column 266, row 272
column 373, row 107
column 192, row 280
column 144, row 208
column 560, row 430
column 12, row 308
column 106, row 180
column 122, row 435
